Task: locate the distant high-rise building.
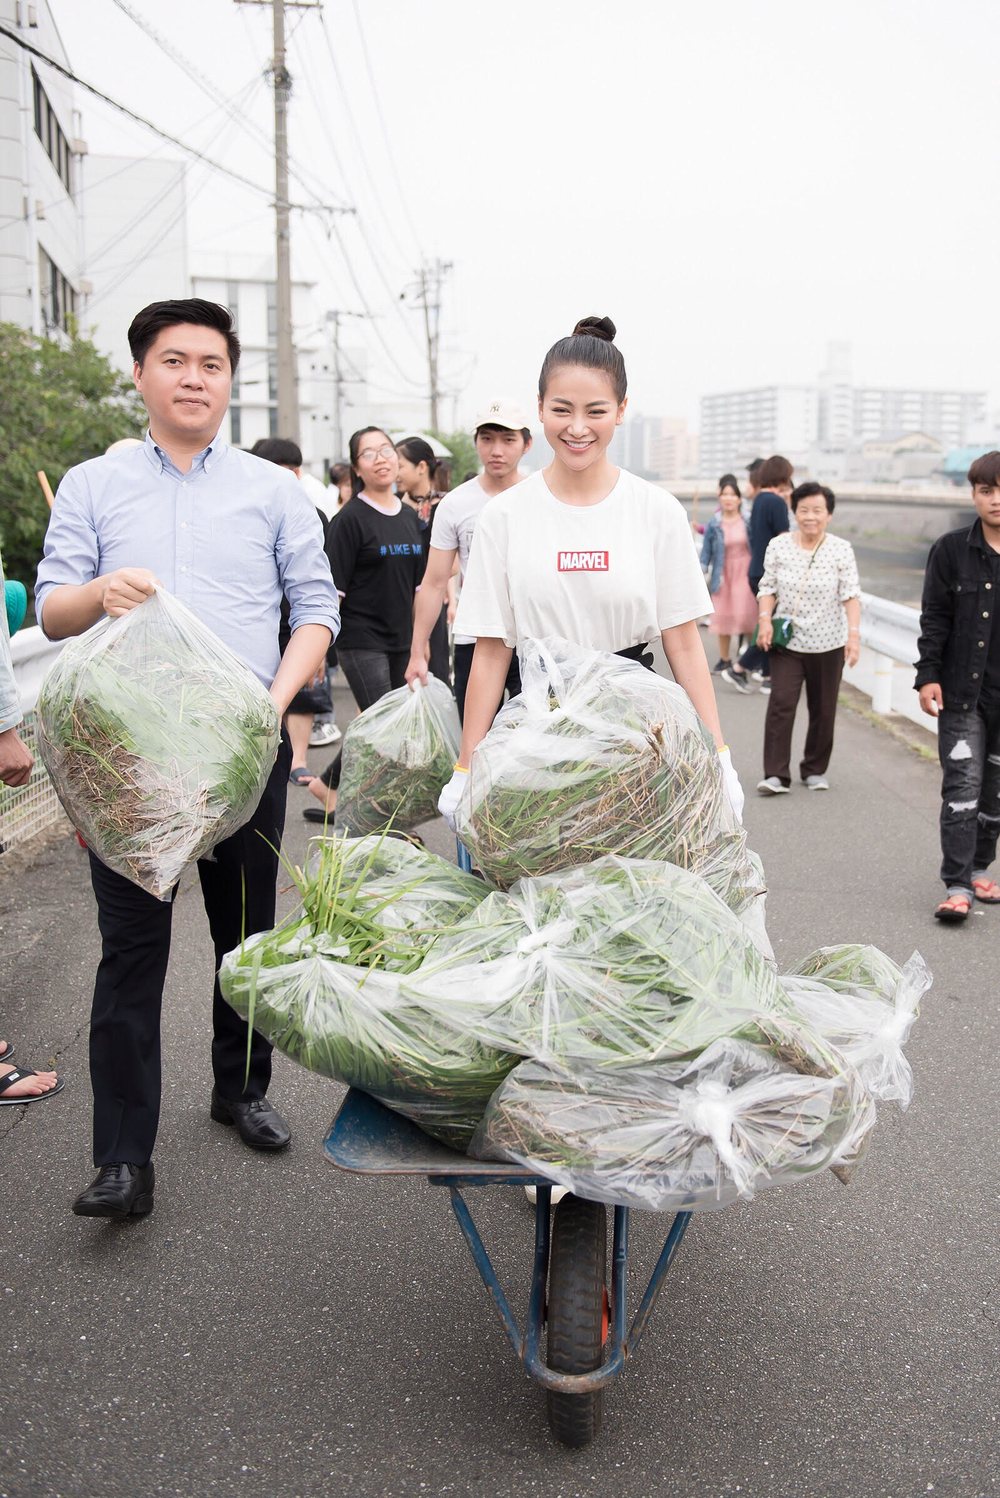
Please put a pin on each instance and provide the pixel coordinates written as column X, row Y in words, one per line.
column 656, row 447
column 834, row 412
column 745, row 424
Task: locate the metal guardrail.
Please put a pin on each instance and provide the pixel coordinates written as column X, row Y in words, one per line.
column 890, row 630
column 32, row 655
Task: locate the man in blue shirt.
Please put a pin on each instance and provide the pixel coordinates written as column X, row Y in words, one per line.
column 228, row 534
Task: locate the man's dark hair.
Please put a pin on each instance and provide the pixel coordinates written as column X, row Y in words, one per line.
column 279, row 450
column 985, row 470
column 148, row 324
column 339, row 472
column 774, row 471
column 754, row 468
column 491, row 426
column 809, row 490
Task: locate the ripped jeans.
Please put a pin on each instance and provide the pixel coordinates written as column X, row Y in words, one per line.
column 969, row 749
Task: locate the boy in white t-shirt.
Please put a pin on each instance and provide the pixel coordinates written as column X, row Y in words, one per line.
column 502, row 438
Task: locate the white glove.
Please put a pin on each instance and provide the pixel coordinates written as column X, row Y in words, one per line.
column 732, row 782
column 451, row 796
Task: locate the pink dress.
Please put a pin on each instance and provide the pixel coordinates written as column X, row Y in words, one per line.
column 735, row 605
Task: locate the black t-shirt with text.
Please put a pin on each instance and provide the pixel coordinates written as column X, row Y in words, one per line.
column 377, row 562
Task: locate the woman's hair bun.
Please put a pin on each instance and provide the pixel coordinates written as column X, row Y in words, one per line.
column 596, row 327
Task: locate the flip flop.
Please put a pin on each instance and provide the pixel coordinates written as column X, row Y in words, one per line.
column 15, row 1075
column 317, row 814
column 954, row 910
column 987, row 891
column 300, row 776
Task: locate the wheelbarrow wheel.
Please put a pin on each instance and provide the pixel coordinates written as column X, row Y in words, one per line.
column 576, row 1307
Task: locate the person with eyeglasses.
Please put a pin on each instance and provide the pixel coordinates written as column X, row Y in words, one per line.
column 377, row 556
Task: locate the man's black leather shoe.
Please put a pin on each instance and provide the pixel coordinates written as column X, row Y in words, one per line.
column 120, row 1191
column 258, row 1122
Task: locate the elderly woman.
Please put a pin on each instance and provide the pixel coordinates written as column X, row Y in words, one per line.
column 811, row 578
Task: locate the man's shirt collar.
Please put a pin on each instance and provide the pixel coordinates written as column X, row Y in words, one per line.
column 207, row 458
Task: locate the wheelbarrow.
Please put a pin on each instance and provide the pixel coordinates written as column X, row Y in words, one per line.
column 588, row 1342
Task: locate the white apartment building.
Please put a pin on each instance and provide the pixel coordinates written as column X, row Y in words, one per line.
column 135, row 240
column 834, row 413
column 41, row 241
column 657, row 447
column 247, row 288
column 742, row 424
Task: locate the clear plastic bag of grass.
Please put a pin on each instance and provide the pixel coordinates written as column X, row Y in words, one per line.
column 865, row 1006
column 672, row 1136
column 329, row 987
column 398, row 755
column 617, row 960
column 414, row 897
column 598, row 756
column 158, row 739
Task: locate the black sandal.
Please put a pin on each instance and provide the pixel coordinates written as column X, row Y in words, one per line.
column 15, row 1075
column 5, row 1057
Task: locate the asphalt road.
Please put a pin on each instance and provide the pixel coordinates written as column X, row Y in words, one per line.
column 277, row 1328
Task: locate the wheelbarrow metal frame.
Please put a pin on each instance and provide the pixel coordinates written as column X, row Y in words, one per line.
column 369, row 1139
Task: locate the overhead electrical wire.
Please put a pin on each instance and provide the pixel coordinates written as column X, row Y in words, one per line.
column 213, row 92
column 392, row 294
column 376, row 98
column 138, row 118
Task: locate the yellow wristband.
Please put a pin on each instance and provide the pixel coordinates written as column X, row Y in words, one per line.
column 464, row 768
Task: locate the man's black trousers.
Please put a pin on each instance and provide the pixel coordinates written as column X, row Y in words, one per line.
column 135, row 933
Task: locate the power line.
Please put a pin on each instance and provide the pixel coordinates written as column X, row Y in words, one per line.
column 215, row 93
column 385, row 133
column 391, row 293
column 405, row 255
column 131, row 114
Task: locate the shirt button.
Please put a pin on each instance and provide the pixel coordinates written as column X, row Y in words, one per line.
column 975, row 675
column 986, row 613
column 982, row 644
column 184, row 525
column 989, row 585
column 183, row 569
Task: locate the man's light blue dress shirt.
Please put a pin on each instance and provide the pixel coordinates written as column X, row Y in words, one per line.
column 227, row 538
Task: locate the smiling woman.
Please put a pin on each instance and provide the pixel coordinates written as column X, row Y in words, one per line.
column 582, row 550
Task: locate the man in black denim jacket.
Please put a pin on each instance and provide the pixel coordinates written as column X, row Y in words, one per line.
column 958, row 677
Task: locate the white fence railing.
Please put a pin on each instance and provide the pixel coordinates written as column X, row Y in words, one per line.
column 889, row 634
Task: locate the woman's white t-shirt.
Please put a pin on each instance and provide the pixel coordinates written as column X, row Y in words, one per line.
column 607, row 576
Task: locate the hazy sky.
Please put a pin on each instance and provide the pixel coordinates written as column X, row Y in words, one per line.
column 734, row 184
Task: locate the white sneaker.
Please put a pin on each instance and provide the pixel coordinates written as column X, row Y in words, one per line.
column 323, row 733
column 772, row 786
column 558, row 1192
column 816, row 783
column 765, row 687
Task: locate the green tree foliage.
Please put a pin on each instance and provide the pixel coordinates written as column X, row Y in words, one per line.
column 464, row 458
column 60, row 403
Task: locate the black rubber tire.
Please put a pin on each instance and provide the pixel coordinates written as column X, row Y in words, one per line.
column 577, row 1264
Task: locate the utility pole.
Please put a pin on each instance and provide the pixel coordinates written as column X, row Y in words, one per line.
column 427, row 291
column 288, row 391
column 288, row 387
column 339, row 382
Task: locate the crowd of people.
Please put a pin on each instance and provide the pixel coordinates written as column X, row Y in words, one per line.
column 371, row 575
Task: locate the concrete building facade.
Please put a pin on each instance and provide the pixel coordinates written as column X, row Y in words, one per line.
column 41, row 235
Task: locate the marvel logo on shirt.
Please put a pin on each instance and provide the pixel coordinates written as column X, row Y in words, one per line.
column 583, row 561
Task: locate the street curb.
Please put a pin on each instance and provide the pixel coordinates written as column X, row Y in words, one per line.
column 903, row 730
